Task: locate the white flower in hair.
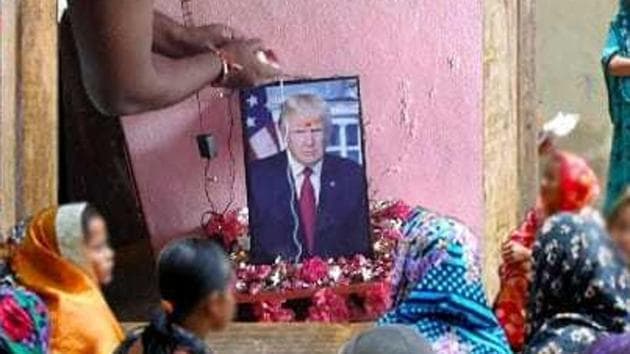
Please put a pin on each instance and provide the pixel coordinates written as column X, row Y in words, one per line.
column 562, row 124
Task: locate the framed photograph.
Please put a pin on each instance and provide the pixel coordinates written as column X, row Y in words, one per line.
column 306, row 180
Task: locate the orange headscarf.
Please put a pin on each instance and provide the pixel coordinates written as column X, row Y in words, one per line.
column 50, row 262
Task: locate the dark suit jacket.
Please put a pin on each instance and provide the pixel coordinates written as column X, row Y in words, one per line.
column 342, row 212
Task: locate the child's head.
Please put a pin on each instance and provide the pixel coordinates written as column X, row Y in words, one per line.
column 194, row 278
column 96, row 246
column 567, row 184
column 619, row 223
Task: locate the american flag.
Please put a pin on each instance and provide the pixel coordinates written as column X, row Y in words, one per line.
column 260, row 128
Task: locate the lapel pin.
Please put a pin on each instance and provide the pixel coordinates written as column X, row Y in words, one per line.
column 332, row 184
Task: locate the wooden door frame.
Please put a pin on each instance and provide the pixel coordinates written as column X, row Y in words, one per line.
column 29, row 113
column 510, row 124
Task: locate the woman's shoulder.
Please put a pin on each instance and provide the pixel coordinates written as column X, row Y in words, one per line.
column 566, row 224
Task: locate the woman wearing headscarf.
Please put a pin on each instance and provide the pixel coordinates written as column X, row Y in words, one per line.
column 568, row 185
column 63, row 259
column 580, row 288
column 437, row 289
column 616, row 65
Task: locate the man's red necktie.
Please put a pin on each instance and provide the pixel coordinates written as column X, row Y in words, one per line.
column 308, row 212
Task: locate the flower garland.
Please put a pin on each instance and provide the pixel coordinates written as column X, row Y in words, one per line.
column 386, row 218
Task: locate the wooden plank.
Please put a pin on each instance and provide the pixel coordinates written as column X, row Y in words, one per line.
column 528, row 118
column 37, row 152
column 343, row 290
column 278, row 338
column 501, row 192
column 8, row 116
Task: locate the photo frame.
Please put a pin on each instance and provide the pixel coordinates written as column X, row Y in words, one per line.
column 305, row 169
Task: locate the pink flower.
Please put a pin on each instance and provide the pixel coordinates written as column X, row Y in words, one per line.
column 313, row 270
column 396, row 210
column 328, row 306
column 272, row 311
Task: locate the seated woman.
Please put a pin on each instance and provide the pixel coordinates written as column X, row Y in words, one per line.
column 63, row 259
column 580, row 288
column 618, row 222
column 436, row 288
column 568, row 185
column 194, row 277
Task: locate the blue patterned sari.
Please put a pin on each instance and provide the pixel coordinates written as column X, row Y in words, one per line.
column 580, row 291
column 618, row 43
column 437, row 288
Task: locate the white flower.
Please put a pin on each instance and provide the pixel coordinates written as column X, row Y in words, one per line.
column 565, row 229
column 604, row 256
column 547, row 227
column 334, row 272
column 451, row 344
column 582, row 336
column 551, row 348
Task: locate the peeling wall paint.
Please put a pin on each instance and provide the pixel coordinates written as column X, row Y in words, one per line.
column 421, row 81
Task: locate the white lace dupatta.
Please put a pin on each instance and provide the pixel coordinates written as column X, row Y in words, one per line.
column 69, row 229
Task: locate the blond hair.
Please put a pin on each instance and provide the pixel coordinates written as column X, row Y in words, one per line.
column 305, row 105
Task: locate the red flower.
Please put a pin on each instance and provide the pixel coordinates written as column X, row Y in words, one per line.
column 328, row 306
column 377, row 300
column 226, row 226
column 272, row 311
column 14, row 320
column 313, row 270
column 397, row 210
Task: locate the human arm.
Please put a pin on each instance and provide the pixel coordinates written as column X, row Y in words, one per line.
column 175, row 40
column 121, row 73
column 619, row 66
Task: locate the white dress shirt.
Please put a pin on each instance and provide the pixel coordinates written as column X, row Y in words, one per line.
column 297, row 170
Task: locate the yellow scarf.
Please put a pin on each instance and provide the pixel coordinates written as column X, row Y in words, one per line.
column 50, row 262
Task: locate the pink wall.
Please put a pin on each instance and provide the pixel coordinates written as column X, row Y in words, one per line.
column 421, row 73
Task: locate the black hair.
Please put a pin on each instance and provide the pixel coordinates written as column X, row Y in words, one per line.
column 189, row 270
column 89, row 213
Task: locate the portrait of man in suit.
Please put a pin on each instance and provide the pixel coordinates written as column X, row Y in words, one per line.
column 305, row 202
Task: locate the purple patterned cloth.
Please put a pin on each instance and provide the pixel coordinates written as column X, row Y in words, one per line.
column 617, row 344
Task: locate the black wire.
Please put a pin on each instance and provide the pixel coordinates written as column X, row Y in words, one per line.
column 232, row 167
